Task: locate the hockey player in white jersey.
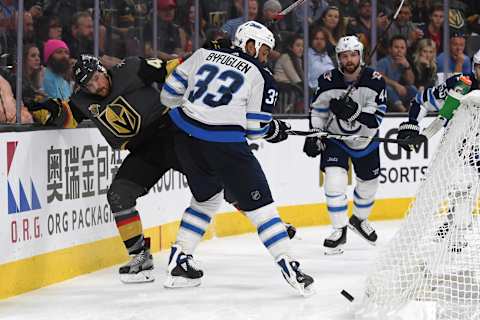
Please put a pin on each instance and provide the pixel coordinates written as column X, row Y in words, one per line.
column 218, row 99
column 359, row 113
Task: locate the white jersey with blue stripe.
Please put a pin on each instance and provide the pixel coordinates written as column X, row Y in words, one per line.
column 431, row 99
column 221, row 96
column 371, row 96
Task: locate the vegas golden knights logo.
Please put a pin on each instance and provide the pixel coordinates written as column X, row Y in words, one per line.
column 121, row 118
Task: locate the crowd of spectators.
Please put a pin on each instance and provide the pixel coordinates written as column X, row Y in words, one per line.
column 56, row 32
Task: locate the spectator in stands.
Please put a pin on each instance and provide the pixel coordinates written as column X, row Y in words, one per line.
column 8, row 107
column 28, row 28
column 187, row 30
column 434, row 29
column 383, row 19
column 348, row 9
column 33, row 71
column 424, row 64
column 361, row 26
column 458, row 62
column 473, row 15
column 319, row 61
column 270, row 10
column 420, row 11
column 404, row 26
column 231, row 26
column 315, row 11
column 288, row 73
column 56, row 56
column 168, row 34
column 48, row 28
column 80, row 38
column 215, row 12
column 289, row 67
column 398, row 75
column 332, row 21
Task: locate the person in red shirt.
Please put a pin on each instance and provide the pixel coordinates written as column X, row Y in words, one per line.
column 434, row 28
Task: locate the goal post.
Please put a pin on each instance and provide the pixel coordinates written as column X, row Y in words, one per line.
column 430, row 270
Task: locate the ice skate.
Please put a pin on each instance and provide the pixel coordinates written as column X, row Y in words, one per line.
column 298, row 280
column 363, row 228
column 334, row 242
column 183, row 271
column 139, row 268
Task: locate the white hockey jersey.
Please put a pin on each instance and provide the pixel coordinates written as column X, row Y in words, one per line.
column 431, row 99
column 371, row 96
column 221, row 96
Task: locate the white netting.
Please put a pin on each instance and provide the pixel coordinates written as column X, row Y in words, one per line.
column 434, row 259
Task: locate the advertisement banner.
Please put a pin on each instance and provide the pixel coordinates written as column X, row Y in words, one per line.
column 53, row 185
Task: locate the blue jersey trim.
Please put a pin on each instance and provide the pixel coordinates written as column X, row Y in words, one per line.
column 205, row 134
column 259, row 116
column 170, row 90
column 260, row 131
column 357, row 153
column 180, row 79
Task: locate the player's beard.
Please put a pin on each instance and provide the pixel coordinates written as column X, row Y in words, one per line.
column 350, row 68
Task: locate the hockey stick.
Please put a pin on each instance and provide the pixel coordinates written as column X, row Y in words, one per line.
column 384, row 33
column 346, row 137
column 288, row 9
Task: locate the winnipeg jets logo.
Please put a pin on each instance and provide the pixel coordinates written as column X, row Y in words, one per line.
column 376, row 75
column 328, row 76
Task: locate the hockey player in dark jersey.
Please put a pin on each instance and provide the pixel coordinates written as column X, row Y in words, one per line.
column 125, row 106
column 359, row 113
column 431, row 99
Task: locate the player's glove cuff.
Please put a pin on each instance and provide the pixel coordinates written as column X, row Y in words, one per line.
column 277, row 131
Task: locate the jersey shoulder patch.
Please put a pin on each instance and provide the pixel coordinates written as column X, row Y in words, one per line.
column 332, row 79
column 372, row 79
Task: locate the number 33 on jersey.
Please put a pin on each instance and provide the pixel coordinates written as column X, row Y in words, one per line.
column 224, row 88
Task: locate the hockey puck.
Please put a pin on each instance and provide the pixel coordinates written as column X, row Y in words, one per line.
column 347, row 295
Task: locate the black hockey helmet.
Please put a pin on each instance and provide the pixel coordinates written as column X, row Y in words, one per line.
column 85, row 67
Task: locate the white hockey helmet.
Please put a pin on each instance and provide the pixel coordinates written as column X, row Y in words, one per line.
column 252, row 30
column 349, row 43
column 475, row 60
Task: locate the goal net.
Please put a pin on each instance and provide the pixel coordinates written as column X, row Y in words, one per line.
column 431, row 268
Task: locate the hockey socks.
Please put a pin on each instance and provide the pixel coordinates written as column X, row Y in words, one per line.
column 130, row 228
column 271, row 230
column 195, row 221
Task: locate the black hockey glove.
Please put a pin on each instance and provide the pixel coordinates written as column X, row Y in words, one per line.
column 313, row 146
column 277, row 131
column 47, row 112
column 345, row 109
column 409, row 131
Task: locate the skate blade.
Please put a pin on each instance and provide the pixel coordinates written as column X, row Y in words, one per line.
column 333, row 251
column 298, row 287
column 181, row 282
column 372, row 243
column 141, row 277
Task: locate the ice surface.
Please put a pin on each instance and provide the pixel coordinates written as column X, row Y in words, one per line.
column 241, row 282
